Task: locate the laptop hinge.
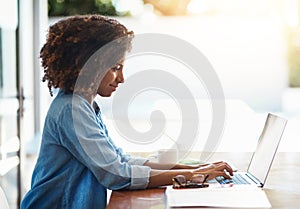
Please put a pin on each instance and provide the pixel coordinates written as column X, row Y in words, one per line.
column 254, row 179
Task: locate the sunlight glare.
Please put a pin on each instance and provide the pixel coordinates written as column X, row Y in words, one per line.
column 292, row 13
column 198, row 6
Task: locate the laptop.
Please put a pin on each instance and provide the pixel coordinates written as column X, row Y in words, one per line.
column 263, row 156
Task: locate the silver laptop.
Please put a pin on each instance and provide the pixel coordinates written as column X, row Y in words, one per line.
column 263, row 156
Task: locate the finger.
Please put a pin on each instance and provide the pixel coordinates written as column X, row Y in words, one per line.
column 226, row 176
column 225, row 167
column 229, row 169
column 222, row 173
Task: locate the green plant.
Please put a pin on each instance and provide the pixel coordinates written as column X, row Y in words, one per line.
column 78, row 7
column 293, row 56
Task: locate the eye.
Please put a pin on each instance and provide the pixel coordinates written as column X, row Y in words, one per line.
column 117, row 67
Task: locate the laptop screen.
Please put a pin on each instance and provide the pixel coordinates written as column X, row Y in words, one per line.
column 267, row 146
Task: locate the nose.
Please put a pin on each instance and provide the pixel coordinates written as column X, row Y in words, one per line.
column 120, row 77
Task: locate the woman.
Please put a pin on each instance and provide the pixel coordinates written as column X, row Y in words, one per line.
column 83, row 57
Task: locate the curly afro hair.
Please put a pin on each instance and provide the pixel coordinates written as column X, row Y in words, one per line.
column 72, row 41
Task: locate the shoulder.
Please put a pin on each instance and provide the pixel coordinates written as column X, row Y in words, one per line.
column 71, row 103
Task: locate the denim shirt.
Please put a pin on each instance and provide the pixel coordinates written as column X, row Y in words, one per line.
column 78, row 160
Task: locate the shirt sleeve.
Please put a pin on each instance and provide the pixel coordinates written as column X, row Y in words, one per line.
column 86, row 140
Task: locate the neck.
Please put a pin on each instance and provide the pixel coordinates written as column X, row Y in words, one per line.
column 90, row 99
column 88, row 96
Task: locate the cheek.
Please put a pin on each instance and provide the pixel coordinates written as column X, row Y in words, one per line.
column 107, row 79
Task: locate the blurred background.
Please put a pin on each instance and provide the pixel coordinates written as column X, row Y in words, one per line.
column 253, row 45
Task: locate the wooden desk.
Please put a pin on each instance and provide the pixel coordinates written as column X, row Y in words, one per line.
column 282, row 186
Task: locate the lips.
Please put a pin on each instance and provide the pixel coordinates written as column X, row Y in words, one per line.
column 114, row 87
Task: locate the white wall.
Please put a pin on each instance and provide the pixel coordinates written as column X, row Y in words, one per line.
column 248, row 54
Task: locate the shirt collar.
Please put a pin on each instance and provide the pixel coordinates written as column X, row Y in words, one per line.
column 96, row 107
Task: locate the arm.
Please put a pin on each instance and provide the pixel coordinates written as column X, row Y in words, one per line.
column 160, row 175
column 160, row 166
column 164, row 177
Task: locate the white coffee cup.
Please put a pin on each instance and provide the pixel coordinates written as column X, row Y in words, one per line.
column 167, row 156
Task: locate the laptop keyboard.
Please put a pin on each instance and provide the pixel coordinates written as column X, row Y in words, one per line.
column 236, row 179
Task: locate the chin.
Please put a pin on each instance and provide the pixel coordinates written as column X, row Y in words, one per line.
column 106, row 95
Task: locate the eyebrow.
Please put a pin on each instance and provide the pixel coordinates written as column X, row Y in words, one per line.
column 117, row 66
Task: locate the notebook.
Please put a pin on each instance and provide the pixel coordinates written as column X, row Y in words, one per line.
column 216, row 196
column 262, row 159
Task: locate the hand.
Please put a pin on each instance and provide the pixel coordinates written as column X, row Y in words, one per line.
column 215, row 169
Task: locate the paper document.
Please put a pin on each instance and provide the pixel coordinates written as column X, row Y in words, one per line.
column 240, row 196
